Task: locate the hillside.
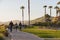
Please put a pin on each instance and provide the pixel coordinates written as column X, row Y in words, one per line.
column 14, row 21
column 41, row 19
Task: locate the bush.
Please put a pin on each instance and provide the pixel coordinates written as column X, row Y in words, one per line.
column 1, row 36
column 2, row 29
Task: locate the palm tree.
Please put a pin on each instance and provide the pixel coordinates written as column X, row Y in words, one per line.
column 56, row 10
column 47, row 17
column 45, row 12
column 22, row 7
column 50, row 9
column 45, row 8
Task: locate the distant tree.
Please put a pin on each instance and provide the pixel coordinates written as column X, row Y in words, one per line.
column 47, row 17
column 58, row 3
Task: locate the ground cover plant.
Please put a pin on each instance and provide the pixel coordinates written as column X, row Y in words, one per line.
column 43, row 33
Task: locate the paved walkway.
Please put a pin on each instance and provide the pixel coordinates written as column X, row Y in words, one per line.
column 18, row 35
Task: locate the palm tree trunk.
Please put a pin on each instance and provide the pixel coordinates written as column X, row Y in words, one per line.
column 45, row 14
column 50, row 11
column 45, row 10
column 29, row 11
column 22, row 17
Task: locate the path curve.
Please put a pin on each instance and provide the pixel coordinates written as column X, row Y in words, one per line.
column 18, row 35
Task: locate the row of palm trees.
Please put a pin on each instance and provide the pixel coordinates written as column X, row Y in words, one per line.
column 46, row 7
column 22, row 7
column 56, row 7
column 47, row 17
column 51, row 8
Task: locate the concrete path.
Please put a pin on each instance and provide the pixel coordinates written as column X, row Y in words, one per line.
column 18, row 35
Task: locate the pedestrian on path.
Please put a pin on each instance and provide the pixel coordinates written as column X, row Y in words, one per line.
column 16, row 26
column 20, row 26
column 11, row 26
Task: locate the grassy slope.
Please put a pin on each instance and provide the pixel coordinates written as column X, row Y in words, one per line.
column 44, row 33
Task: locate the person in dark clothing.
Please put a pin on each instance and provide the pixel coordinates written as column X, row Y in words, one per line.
column 10, row 26
column 16, row 26
column 20, row 26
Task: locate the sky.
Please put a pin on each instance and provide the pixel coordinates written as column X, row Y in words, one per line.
column 10, row 9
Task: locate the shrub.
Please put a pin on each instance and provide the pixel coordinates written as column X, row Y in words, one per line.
column 2, row 29
column 1, row 36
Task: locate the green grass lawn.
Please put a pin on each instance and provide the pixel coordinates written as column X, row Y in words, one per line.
column 43, row 33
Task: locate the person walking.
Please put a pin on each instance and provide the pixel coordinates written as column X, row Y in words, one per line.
column 11, row 26
column 16, row 26
column 20, row 26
